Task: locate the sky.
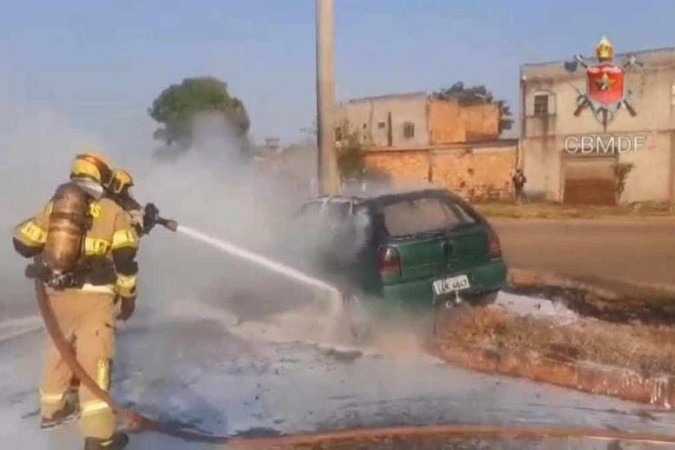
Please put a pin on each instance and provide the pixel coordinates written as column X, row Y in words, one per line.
column 101, row 64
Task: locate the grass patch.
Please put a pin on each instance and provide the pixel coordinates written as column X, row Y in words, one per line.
column 549, row 210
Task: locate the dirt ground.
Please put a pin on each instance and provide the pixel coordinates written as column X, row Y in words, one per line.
column 605, row 299
column 646, row 350
column 632, row 250
column 631, row 362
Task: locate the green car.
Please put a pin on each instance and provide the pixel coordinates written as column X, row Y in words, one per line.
column 410, row 250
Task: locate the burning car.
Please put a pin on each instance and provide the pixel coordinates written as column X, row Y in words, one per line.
column 412, row 249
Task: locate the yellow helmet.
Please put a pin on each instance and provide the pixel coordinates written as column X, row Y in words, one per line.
column 121, row 180
column 92, row 166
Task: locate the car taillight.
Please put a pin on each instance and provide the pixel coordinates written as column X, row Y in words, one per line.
column 389, row 262
column 495, row 250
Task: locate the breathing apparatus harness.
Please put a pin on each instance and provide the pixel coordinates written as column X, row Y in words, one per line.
column 61, row 264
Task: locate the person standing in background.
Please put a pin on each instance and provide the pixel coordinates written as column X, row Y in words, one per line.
column 519, row 181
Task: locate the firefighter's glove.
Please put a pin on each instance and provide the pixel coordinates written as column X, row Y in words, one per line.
column 150, row 217
column 137, row 218
column 126, row 308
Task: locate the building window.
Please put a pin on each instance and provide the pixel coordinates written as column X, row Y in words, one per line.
column 541, row 105
column 408, row 130
column 381, row 125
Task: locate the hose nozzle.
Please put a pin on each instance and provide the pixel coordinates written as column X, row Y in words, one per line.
column 152, row 218
column 169, row 224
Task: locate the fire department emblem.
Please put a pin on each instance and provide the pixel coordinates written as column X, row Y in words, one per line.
column 605, row 92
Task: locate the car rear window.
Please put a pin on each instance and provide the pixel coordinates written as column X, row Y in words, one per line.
column 423, row 215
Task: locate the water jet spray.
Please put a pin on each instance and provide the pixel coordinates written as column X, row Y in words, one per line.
column 334, row 296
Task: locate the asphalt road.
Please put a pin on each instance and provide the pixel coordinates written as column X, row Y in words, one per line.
column 628, row 249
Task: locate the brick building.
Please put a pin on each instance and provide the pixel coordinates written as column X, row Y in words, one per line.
column 476, row 171
column 414, row 119
column 412, row 140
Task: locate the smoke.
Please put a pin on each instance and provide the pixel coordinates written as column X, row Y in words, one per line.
column 215, row 187
column 248, row 202
column 37, row 144
column 209, row 187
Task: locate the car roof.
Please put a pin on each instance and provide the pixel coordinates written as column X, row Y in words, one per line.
column 381, row 200
column 385, row 198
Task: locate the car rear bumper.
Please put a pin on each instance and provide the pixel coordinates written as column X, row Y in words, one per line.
column 484, row 279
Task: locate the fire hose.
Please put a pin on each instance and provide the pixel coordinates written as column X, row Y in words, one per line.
column 136, row 421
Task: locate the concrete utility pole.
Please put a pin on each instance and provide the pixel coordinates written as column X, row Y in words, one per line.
column 329, row 181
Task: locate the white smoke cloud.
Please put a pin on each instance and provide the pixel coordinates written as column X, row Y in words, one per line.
column 37, row 144
column 208, row 187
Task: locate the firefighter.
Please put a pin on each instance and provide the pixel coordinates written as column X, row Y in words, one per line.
column 84, row 296
column 143, row 219
column 120, row 188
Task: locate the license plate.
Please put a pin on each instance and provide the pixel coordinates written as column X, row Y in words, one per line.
column 447, row 285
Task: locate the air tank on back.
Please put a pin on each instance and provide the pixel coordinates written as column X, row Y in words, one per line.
column 67, row 226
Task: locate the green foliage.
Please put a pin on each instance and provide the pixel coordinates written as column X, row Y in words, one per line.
column 177, row 106
column 476, row 95
column 350, row 159
column 621, row 171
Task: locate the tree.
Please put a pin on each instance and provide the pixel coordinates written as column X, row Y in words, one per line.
column 621, row 172
column 177, row 107
column 350, row 158
column 476, row 95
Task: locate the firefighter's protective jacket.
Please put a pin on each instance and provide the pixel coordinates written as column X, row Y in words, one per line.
column 134, row 212
column 109, row 249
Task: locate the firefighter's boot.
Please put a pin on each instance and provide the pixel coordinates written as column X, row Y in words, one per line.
column 117, row 442
column 68, row 413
